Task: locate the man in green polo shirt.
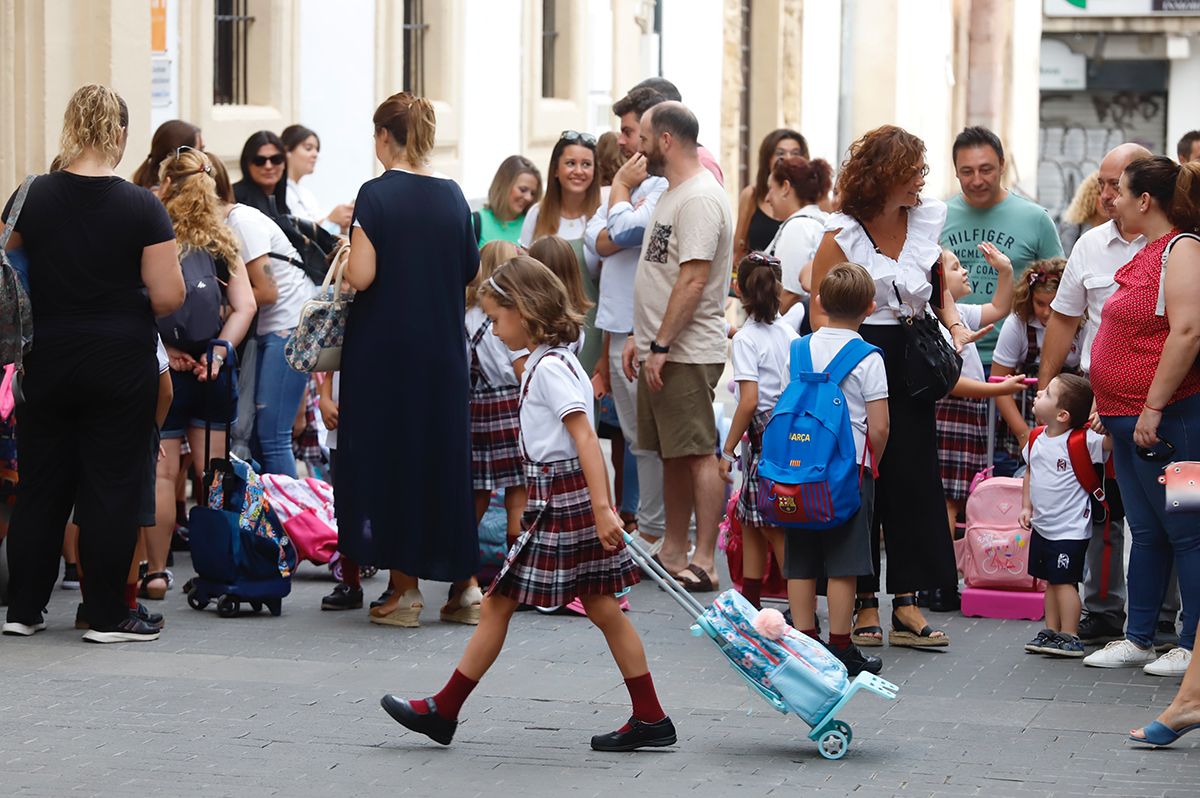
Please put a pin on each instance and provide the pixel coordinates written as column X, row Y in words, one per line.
column 986, row 211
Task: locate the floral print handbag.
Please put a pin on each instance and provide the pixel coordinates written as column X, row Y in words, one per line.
column 316, row 343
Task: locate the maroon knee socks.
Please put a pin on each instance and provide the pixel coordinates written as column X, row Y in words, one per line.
column 752, row 591
column 451, row 698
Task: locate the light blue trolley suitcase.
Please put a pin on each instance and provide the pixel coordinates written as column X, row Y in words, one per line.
column 793, row 674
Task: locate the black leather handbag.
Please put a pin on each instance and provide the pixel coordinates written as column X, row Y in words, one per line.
column 931, row 366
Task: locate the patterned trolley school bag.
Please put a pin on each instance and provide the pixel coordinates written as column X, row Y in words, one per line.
column 789, row 670
column 808, row 472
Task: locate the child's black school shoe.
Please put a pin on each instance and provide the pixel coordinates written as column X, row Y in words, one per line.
column 945, row 599
column 855, row 661
column 384, row 598
column 635, row 735
column 343, row 597
column 430, row 723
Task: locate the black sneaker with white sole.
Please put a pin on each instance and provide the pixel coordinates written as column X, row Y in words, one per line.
column 130, row 630
column 143, row 614
column 1064, row 645
column 70, row 580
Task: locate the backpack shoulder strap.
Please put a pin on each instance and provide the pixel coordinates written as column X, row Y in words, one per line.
column 1161, row 308
column 15, row 211
column 800, row 357
column 477, row 225
column 1033, row 436
column 847, row 359
column 1081, row 464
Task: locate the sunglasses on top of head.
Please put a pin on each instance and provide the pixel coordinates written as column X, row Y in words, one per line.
column 575, row 137
column 262, row 160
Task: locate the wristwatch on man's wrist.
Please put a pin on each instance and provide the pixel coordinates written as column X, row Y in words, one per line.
column 658, row 348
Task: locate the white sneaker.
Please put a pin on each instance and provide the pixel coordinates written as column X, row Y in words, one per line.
column 1174, row 663
column 23, row 629
column 1120, row 654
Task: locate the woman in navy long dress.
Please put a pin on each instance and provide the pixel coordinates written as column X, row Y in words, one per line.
column 404, row 491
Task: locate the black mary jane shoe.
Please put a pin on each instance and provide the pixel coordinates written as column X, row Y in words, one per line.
column 430, row 723
column 638, row 735
column 855, row 661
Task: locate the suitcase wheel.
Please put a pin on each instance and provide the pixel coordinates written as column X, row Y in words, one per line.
column 833, row 744
column 256, row 605
column 227, row 606
column 275, row 606
column 195, row 600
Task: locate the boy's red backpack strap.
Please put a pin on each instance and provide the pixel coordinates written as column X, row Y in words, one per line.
column 1033, row 435
column 1085, row 472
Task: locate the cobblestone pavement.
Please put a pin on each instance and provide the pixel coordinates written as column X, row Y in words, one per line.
column 261, row 706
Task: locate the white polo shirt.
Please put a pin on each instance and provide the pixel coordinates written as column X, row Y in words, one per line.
column 1090, row 278
column 556, row 391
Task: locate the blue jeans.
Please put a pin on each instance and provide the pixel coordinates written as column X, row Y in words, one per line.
column 1159, row 538
column 278, row 392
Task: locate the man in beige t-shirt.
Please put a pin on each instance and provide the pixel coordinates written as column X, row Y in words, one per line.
column 678, row 348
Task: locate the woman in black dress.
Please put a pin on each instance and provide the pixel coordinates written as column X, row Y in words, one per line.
column 103, row 263
column 404, row 492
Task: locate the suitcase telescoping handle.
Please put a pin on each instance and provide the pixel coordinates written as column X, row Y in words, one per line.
column 665, row 580
column 230, row 362
column 991, row 421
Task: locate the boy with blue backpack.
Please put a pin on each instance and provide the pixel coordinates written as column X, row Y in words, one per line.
column 817, row 468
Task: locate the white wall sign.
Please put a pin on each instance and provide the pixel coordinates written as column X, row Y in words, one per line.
column 1061, row 68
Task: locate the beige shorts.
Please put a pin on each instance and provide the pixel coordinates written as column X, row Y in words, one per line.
column 678, row 420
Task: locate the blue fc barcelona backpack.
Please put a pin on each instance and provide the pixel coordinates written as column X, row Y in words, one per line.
column 808, row 472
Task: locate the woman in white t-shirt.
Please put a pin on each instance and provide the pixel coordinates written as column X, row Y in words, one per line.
column 793, row 190
column 1019, row 346
column 281, row 288
column 303, row 147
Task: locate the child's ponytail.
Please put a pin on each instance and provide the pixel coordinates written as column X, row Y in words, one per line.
column 758, row 284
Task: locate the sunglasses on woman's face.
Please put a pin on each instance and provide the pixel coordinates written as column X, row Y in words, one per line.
column 1161, row 452
column 575, row 137
column 262, row 160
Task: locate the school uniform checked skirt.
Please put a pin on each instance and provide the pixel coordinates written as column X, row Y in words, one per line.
column 496, row 460
column 747, row 507
column 558, row 556
column 962, row 443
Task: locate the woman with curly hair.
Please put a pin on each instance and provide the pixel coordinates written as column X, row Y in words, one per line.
column 103, row 264
column 886, row 226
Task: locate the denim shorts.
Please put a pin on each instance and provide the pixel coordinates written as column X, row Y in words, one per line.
column 196, row 403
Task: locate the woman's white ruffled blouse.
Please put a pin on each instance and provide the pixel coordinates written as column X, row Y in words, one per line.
column 909, row 273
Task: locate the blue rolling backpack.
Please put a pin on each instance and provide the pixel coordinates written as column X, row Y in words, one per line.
column 239, row 548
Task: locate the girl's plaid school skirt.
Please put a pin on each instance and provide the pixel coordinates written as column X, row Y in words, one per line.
column 495, row 438
column 962, row 443
column 558, row 556
column 747, row 507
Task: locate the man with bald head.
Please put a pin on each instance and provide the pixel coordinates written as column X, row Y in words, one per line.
column 677, row 350
column 1087, row 283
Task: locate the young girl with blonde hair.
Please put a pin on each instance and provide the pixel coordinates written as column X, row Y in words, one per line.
column 572, row 544
column 559, row 257
column 495, row 425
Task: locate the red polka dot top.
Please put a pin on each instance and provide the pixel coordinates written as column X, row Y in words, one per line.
column 1130, row 340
